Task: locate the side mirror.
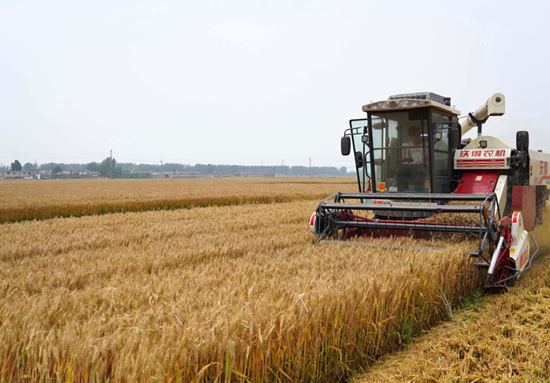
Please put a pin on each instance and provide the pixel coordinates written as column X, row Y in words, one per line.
column 359, row 159
column 345, row 145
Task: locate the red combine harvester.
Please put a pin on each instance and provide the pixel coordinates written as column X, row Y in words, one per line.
column 417, row 177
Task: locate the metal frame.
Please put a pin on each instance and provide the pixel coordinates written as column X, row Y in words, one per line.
column 335, row 214
column 502, row 282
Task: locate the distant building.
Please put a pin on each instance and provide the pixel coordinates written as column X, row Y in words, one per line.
column 89, row 174
column 18, row 174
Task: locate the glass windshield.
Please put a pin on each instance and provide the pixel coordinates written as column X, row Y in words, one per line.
column 442, row 124
column 400, row 151
column 359, row 130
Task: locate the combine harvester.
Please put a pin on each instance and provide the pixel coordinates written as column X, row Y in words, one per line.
column 418, row 178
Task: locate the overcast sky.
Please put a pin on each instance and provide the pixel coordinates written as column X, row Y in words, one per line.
column 253, row 82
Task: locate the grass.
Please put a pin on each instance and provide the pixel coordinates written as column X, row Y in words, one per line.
column 226, row 293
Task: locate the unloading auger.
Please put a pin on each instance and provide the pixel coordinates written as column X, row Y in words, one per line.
column 418, row 178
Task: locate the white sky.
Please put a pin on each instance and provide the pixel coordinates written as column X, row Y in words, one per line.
column 253, row 82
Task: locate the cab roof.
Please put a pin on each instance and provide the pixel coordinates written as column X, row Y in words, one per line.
column 412, row 101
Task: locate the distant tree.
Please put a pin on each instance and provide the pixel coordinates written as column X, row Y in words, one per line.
column 16, row 165
column 106, row 165
column 28, row 166
column 48, row 166
column 92, row 167
column 56, row 170
column 343, row 170
column 200, row 168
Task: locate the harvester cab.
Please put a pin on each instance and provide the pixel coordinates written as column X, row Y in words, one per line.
column 418, row 177
column 404, row 144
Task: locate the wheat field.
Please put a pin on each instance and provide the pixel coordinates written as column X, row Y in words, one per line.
column 28, row 200
column 501, row 338
column 220, row 293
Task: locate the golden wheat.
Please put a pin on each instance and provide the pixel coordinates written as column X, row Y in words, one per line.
column 27, row 200
column 502, row 338
column 218, row 293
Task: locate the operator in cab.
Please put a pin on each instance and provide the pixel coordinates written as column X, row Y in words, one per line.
column 412, row 175
column 413, row 154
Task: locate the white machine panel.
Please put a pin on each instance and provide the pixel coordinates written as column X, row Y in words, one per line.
column 482, row 159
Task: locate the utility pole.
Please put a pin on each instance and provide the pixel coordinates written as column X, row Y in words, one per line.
column 309, row 167
column 111, row 163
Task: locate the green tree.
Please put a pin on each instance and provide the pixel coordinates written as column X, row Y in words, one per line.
column 56, row 170
column 28, row 166
column 107, row 165
column 16, row 165
column 92, row 167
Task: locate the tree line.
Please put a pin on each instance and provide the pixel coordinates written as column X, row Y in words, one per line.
column 110, row 166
